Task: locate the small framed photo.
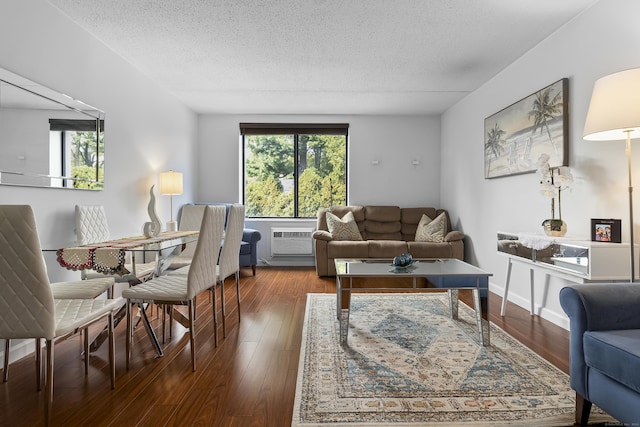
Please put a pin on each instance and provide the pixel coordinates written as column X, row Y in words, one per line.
column 606, row 230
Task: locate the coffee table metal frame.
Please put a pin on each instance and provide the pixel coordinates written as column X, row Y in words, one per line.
column 450, row 274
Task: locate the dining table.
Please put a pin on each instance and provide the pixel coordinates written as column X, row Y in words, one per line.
column 109, row 257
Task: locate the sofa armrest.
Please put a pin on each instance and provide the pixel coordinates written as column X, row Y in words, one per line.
column 602, row 307
column 250, row 235
column 453, row 236
column 322, row 235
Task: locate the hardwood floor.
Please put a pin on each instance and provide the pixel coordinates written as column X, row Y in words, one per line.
column 248, row 380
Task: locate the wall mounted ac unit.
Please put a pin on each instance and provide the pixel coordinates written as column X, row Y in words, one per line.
column 290, row 241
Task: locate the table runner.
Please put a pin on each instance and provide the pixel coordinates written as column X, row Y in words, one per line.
column 109, row 257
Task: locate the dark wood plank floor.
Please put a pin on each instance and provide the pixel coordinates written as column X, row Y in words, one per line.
column 248, row 380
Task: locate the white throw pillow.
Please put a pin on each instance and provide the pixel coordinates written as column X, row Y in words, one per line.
column 343, row 229
column 432, row 230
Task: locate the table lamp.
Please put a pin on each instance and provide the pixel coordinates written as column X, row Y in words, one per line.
column 171, row 184
column 614, row 115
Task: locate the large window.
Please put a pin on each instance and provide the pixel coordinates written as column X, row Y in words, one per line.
column 292, row 170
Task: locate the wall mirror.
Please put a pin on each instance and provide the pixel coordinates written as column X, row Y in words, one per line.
column 48, row 139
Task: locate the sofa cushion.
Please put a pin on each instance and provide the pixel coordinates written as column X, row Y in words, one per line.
column 347, row 249
column 430, row 250
column 382, row 213
column 382, row 223
column 432, row 229
column 615, row 354
column 386, row 248
column 344, row 228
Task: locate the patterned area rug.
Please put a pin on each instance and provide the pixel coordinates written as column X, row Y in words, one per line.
column 408, row 363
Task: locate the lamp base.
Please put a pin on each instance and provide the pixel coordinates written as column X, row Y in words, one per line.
column 172, row 226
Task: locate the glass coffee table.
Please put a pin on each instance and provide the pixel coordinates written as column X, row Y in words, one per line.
column 449, row 274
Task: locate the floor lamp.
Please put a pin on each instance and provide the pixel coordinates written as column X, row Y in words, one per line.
column 171, row 185
column 614, row 115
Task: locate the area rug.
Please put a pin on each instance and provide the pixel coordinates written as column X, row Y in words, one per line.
column 406, row 362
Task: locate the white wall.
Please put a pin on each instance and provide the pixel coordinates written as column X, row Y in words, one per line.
column 395, row 141
column 146, row 130
column 604, row 39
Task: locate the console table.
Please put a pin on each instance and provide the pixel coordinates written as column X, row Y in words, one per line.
column 572, row 259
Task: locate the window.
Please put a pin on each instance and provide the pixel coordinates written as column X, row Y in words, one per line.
column 77, row 151
column 292, row 170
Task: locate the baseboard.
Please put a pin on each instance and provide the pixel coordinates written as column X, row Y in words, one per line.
column 550, row 315
column 282, row 261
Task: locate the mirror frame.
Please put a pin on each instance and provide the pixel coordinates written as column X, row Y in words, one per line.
column 48, row 117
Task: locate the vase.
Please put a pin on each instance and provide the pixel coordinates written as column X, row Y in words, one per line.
column 554, row 227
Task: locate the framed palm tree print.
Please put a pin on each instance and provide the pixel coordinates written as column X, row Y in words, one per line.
column 515, row 137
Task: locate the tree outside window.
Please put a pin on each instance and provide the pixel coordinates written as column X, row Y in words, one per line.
column 294, row 174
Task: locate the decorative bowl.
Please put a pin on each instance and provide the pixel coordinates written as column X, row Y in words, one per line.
column 403, row 260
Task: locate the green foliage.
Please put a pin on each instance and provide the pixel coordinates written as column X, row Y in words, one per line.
column 269, row 168
column 85, row 177
column 83, row 149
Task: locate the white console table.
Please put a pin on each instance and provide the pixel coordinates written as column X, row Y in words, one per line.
column 572, row 259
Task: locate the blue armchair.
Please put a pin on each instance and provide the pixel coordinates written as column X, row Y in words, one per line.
column 249, row 249
column 605, row 348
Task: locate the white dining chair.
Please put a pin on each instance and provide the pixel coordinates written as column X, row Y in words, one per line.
column 228, row 260
column 92, row 227
column 75, row 289
column 27, row 306
column 190, row 220
column 182, row 289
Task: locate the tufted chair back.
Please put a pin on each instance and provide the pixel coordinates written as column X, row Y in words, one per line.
column 191, row 219
column 91, row 224
column 202, row 273
column 229, row 262
column 27, row 308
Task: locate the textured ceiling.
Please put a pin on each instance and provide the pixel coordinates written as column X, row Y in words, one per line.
column 320, row 56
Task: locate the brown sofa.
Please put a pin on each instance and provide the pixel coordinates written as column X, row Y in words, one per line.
column 387, row 231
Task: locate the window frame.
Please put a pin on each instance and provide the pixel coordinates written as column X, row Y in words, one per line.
column 295, row 129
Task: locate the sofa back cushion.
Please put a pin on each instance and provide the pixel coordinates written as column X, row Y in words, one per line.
column 382, row 223
column 410, row 218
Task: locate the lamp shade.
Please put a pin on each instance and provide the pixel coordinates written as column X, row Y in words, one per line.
column 171, row 183
column 614, row 110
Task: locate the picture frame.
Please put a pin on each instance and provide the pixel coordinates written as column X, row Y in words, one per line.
column 606, row 230
column 516, row 136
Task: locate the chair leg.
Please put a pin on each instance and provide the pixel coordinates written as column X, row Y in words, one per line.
column 164, row 320
column 49, row 382
column 253, row 268
column 112, row 352
column 192, row 333
column 38, row 365
column 238, row 292
column 85, row 333
column 171, row 322
column 215, row 315
column 224, row 314
column 5, row 369
column 583, row 408
column 129, row 332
